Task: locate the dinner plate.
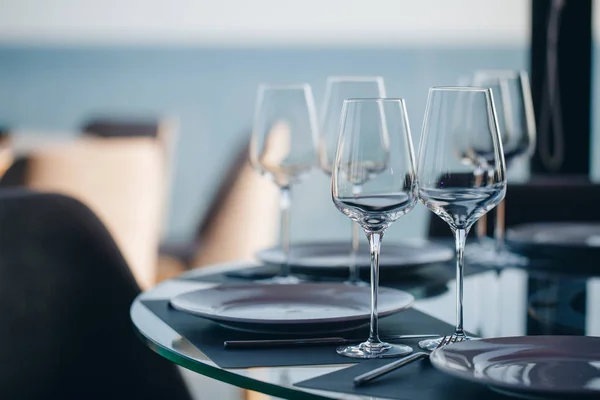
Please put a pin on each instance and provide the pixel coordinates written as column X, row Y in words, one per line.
column 336, row 255
column 295, row 308
column 527, row 366
column 575, row 241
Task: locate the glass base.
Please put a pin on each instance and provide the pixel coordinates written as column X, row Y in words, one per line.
column 357, row 282
column 374, row 350
column 499, row 259
column 432, row 344
column 281, row 280
column 485, row 254
column 481, row 248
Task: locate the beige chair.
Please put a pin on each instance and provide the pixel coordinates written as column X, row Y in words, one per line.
column 241, row 219
column 122, row 180
column 165, row 130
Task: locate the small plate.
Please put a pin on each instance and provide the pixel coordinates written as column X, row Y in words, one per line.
column 566, row 234
column 336, row 255
column 530, row 366
column 299, row 308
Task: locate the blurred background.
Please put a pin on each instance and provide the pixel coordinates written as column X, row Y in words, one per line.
column 65, row 62
column 185, row 73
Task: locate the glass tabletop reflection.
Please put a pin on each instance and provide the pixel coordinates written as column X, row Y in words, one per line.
column 498, row 302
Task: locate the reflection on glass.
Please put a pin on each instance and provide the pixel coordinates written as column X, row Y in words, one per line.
column 340, row 88
column 460, row 121
column 516, row 121
column 374, row 134
column 283, row 147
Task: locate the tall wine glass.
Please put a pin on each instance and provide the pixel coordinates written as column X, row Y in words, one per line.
column 283, row 146
column 516, row 120
column 338, row 89
column 374, row 151
column 460, row 121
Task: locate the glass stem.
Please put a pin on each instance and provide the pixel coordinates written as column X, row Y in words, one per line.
column 375, row 246
column 481, row 227
column 284, row 204
column 461, row 237
column 499, row 228
column 354, row 275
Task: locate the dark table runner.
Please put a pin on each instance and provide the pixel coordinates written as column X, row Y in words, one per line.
column 427, row 281
column 208, row 337
column 419, row 380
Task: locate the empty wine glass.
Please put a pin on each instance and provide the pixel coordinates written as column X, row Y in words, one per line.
column 338, row 89
column 516, row 120
column 283, row 146
column 374, row 151
column 460, row 168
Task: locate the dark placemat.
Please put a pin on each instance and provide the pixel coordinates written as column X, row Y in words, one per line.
column 427, row 281
column 208, row 337
column 419, row 380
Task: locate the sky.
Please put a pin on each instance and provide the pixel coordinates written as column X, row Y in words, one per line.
column 265, row 22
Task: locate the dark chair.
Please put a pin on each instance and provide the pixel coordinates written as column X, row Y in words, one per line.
column 556, row 199
column 16, row 174
column 111, row 128
column 184, row 253
column 244, row 202
column 65, row 293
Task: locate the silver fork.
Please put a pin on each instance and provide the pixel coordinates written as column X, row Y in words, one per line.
column 377, row 372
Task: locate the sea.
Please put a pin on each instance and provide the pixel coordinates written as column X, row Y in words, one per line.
column 211, row 93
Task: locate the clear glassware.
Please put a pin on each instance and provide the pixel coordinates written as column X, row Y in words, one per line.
column 516, row 120
column 337, row 90
column 375, row 151
column 283, row 147
column 460, row 168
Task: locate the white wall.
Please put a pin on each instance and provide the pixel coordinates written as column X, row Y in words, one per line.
column 259, row 22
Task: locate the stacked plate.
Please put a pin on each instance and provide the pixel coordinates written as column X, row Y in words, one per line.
column 314, row 308
column 334, row 257
column 290, row 309
column 534, row 367
column 574, row 246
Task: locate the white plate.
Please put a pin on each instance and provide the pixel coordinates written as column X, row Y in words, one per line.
column 300, row 308
column 405, row 255
column 529, row 366
column 572, row 247
column 564, row 234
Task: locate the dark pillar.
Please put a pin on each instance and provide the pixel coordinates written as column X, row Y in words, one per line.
column 561, row 50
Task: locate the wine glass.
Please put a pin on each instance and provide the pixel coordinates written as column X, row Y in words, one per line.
column 516, row 120
column 338, row 89
column 375, row 151
column 461, row 168
column 283, row 147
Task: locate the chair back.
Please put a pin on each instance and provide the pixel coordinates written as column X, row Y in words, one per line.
column 242, row 217
column 556, row 199
column 65, row 293
column 122, row 180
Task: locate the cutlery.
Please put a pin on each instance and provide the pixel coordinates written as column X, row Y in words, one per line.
column 257, row 344
column 378, row 372
column 257, row 274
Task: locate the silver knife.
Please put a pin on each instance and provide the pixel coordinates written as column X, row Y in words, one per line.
column 273, row 343
column 377, row 372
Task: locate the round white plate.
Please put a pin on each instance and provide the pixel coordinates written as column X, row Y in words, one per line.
column 564, row 234
column 298, row 308
column 530, row 366
column 336, row 255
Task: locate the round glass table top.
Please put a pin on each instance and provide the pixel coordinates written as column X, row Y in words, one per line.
column 508, row 302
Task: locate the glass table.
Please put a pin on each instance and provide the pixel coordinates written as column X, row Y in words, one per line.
column 507, row 302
